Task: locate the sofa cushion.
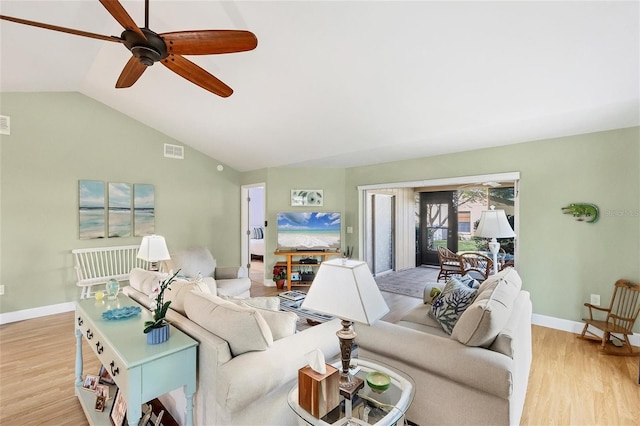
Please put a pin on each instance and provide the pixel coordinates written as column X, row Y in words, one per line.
column 269, row 303
column 145, row 281
column 488, row 315
column 177, row 290
column 281, row 324
column 449, row 305
column 243, row 328
column 193, row 261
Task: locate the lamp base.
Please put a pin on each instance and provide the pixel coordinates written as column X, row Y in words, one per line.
column 494, row 247
column 350, row 386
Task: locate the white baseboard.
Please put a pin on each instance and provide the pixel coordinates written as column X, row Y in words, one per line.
column 42, row 311
column 571, row 326
column 537, row 319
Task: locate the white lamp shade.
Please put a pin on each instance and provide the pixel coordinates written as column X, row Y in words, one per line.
column 494, row 224
column 346, row 289
column 153, row 248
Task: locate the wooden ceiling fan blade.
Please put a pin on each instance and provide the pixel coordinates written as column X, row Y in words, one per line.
column 131, row 73
column 120, row 14
column 61, row 29
column 196, row 75
column 208, row 42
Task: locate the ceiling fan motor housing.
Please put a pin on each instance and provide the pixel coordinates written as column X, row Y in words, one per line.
column 148, row 51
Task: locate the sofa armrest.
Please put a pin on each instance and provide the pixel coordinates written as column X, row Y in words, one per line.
column 475, row 367
column 230, row 272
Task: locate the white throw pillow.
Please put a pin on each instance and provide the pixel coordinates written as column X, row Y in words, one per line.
column 481, row 322
column 281, row 324
column 178, row 289
column 269, row 303
column 145, row 281
column 243, row 328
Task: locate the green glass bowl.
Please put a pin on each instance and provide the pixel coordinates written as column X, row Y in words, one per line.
column 378, row 381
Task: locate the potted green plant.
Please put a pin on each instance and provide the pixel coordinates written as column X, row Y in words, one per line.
column 157, row 331
column 279, row 275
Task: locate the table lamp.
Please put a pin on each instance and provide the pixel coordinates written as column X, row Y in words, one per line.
column 153, row 249
column 346, row 289
column 494, row 224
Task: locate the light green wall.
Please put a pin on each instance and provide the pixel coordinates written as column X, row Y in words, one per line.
column 59, row 138
column 562, row 261
column 280, row 182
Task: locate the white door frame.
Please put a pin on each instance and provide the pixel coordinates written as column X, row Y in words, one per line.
column 459, row 180
column 244, row 221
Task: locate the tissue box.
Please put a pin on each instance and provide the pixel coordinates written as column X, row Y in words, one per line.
column 318, row 393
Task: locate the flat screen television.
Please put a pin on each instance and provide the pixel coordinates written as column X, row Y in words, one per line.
column 309, row 231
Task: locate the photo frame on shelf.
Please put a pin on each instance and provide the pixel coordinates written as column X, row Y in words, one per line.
column 100, row 403
column 118, row 414
column 90, row 382
column 105, row 377
column 102, row 391
column 307, row 197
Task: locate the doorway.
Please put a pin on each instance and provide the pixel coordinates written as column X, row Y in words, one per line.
column 381, row 226
column 438, row 225
column 253, row 231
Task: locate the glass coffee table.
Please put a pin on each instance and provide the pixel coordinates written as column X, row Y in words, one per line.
column 368, row 406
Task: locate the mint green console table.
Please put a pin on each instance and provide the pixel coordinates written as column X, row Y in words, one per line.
column 142, row 372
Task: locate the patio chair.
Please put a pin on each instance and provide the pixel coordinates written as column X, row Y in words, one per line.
column 477, row 265
column 620, row 318
column 449, row 263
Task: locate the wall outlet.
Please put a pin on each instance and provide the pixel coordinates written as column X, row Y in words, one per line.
column 595, row 299
column 1, row 289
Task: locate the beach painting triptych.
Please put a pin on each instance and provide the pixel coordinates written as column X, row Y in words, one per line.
column 115, row 210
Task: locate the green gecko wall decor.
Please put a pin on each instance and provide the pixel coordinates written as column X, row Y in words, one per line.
column 582, row 211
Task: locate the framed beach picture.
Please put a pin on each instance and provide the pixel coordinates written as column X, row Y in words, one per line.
column 119, row 209
column 307, row 197
column 144, row 212
column 91, row 209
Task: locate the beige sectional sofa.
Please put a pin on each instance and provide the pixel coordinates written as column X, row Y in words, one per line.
column 478, row 375
column 248, row 355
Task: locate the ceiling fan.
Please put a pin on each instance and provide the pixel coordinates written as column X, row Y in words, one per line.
column 148, row 47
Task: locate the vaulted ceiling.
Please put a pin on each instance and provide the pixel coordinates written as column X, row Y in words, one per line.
column 339, row 84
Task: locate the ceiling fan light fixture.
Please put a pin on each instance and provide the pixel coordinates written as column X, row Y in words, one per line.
column 147, row 55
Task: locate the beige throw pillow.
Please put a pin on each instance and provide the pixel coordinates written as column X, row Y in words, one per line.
column 281, row 324
column 481, row 322
column 269, row 303
column 177, row 291
column 145, row 281
column 243, row 328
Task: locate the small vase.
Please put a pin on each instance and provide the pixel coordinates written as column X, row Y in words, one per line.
column 280, row 284
column 113, row 288
column 158, row 335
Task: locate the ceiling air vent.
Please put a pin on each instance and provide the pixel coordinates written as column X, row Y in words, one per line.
column 5, row 125
column 174, row 151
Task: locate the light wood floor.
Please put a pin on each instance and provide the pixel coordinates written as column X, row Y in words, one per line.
column 570, row 382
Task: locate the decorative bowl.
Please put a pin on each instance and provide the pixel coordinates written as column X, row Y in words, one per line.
column 377, row 381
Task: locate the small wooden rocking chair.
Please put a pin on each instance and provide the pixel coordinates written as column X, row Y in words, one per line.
column 621, row 316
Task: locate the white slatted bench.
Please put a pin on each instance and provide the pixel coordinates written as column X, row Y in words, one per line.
column 96, row 266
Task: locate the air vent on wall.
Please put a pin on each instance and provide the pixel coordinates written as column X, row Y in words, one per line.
column 5, row 125
column 174, row 151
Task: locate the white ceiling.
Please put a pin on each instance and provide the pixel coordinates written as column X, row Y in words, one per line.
column 339, row 84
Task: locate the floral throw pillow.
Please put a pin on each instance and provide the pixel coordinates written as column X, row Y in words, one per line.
column 451, row 303
column 469, row 281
